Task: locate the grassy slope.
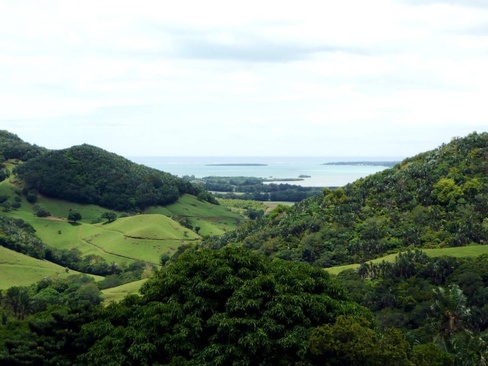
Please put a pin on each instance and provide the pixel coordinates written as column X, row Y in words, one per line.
column 212, row 219
column 459, row 252
column 119, row 292
column 141, row 237
column 20, row 270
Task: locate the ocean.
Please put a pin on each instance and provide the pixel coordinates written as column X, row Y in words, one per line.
column 269, row 167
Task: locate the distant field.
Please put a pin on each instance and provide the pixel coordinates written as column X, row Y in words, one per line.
column 459, row 252
column 212, row 219
column 119, row 292
column 20, row 270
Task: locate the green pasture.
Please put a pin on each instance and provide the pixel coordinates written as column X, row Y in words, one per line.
column 458, row 252
column 119, row 292
column 155, row 227
column 212, row 219
column 17, row 269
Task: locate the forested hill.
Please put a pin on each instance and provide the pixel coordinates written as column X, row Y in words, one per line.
column 435, row 199
column 12, row 147
column 88, row 174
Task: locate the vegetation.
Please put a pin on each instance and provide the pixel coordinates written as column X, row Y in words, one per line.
column 21, row 270
column 252, row 188
column 89, row 175
column 229, row 306
column 12, row 147
column 233, row 306
column 434, row 200
column 412, row 288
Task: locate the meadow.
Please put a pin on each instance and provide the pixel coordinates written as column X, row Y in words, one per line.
column 145, row 236
column 20, row 270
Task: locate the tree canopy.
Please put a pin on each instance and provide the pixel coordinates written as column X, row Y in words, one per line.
column 229, row 306
column 13, row 147
column 87, row 174
column 435, row 199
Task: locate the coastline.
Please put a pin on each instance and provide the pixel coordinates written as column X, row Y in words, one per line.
column 275, row 169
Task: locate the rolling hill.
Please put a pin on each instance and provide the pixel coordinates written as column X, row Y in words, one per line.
column 39, row 180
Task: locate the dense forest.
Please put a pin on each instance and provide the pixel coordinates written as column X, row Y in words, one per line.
column 87, row 174
column 435, row 199
column 233, row 306
column 12, row 147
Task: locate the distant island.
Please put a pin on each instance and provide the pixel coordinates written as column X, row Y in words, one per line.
column 237, row 164
column 364, row 163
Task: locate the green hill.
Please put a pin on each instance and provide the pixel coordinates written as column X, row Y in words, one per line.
column 90, row 175
column 119, row 292
column 12, row 147
column 35, row 200
column 436, row 199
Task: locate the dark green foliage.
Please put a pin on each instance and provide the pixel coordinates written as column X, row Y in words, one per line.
column 74, row 216
column 87, row 174
column 12, row 147
column 219, row 307
column 54, row 311
column 109, row 216
column 20, row 236
column 31, row 195
column 252, row 188
column 352, row 341
column 41, row 211
column 4, row 173
column 438, row 302
column 435, row 199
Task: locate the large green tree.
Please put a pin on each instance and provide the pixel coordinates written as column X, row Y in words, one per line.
column 229, row 306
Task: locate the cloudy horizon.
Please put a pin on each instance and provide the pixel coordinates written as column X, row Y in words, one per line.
column 214, row 78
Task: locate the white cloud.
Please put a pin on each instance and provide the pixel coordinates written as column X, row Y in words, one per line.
column 219, row 77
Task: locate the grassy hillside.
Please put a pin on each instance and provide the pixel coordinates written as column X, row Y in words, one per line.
column 20, row 270
column 211, row 219
column 437, row 199
column 140, row 237
column 457, row 252
column 119, row 292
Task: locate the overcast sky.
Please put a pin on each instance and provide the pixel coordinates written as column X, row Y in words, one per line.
column 247, row 78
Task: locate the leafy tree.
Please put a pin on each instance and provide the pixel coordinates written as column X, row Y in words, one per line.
column 351, row 341
column 74, row 216
column 451, row 310
column 229, row 306
column 109, row 216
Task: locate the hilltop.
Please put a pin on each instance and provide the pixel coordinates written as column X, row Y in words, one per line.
column 90, row 175
column 435, row 199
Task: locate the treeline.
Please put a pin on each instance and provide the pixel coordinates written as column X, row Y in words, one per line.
column 90, row 175
column 436, row 302
column 435, row 199
column 252, row 188
column 12, row 147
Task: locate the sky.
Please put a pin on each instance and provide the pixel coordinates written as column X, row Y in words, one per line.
column 380, row 78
